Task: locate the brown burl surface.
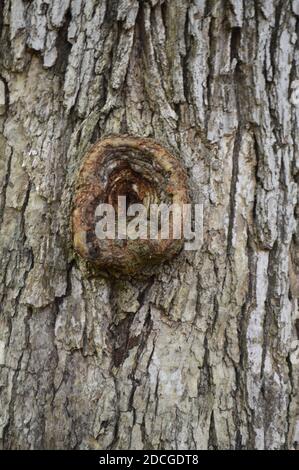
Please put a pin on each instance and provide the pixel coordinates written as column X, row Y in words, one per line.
column 144, row 172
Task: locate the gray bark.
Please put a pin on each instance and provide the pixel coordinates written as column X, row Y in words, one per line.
column 202, row 354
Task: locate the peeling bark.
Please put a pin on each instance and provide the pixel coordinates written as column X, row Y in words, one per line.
column 203, row 353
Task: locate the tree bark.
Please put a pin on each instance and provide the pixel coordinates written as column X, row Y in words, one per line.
column 202, row 355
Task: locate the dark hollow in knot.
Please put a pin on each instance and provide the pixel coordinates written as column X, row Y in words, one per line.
column 144, row 172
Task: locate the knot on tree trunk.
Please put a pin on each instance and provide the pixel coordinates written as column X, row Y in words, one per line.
column 130, row 170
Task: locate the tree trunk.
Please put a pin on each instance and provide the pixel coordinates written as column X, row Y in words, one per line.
column 202, row 355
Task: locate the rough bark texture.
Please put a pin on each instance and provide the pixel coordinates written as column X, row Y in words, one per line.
column 201, row 355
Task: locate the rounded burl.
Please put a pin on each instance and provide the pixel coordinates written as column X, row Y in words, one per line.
column 144, row 172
